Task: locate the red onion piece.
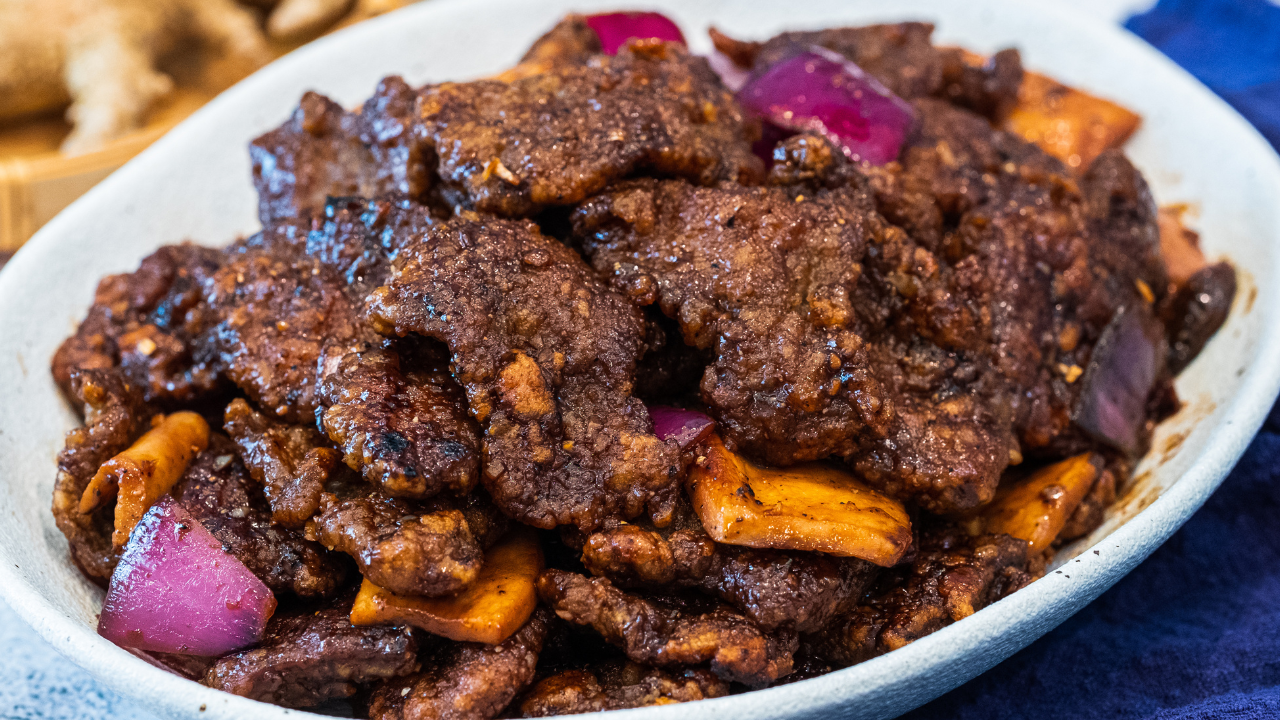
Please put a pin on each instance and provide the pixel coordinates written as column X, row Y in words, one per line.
column 684, row 426
column 821, row 91
column 177, row 591
column 1126, row 361
column 615, row 29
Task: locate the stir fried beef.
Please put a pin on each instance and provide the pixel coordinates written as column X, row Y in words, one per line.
column 618, row 686
column 512, row 148
column 762, row 280
column 1119, row 209
column 952, row 577
column 989, row 87
column 809, row 160
column 291, row 461
column 472, row 293
column 397, row 413
column 359, row 237
column 653, row 632
column 153, row 324
column 467, row 681
column 407, row 432
column 114, row 415
column 1047, row 301
column 218, row 492
column 316, row 153
column 310, row 657
column 557, row 138
column 400, row 547
column 547, row 356
column 283, row 318
column 774, row 281
column 388, row 128
column 486, row 523
column 772, row 588
column 323, row 151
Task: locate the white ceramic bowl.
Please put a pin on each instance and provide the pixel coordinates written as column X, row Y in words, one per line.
column 194, row 184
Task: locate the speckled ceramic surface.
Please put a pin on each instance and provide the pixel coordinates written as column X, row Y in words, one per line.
column 195, row 184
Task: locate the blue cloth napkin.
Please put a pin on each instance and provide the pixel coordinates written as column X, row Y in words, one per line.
column 1233, row 46
column 1193, row 632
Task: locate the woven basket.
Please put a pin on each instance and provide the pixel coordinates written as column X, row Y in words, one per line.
column 36, row 181
column 34, row 188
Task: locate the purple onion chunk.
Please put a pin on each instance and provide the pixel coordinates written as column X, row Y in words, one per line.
column 177, row 591
column 1126, row 362
column 615, row 29
column 820, row 91
column 686, row 427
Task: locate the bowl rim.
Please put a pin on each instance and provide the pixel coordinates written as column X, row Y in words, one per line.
column 889, row 684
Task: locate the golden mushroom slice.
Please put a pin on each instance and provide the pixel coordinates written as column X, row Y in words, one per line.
column 488, row 611
column 144, row 472
column 806, row 507
column 1037, row 508
column 1071, row 125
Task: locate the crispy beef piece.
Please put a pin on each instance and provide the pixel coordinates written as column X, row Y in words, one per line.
column 307, row 658
column 323, row 151
column 400, row 546
column 952, row 433
column 989, row 89
column 398, row 414
column 512, row 148
column 114, row 416
column 466, row 681
column 809, row 160
column 902, row 57
column 570, row 42
column 486, row 523
column 652, row 632
column 945, row 452
column 972, row 195
column 1123, row 215
column 407, row 432
column 547, row 356
column 555, row 139
column 218, row 491
column 952, row 577
column 291, row 461
column 833, row 333
column 387, row 128
column 618, row 686
column 764, row 282
column 358, row 237
column 1195, row 311
column 288, row 306
column 316, row 153
column 152, row 323
column 772, row 588
column 284, row 320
